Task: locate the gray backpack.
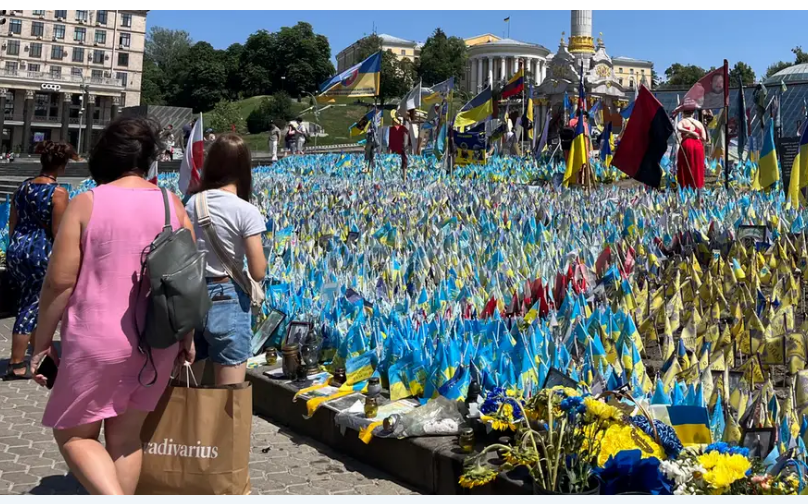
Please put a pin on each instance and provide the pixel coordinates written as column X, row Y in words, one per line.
column 178, row 302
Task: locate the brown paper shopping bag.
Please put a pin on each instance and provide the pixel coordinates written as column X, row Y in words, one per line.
column 197, row 441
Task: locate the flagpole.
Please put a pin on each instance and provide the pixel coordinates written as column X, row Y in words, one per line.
column 726, row 124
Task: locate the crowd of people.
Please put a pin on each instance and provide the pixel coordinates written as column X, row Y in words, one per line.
column 79, row 262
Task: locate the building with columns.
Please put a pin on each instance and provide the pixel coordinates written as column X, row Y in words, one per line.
column 492, row 60
column 64, row 74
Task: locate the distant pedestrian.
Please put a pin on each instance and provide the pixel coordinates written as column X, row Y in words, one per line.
column 37, row 208
column 274, row 138
column 302, row 135
column 399, row 134
column 93, row 286
column 291, row 136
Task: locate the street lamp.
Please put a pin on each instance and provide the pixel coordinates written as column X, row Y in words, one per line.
column 316, row 113
column 84, row 90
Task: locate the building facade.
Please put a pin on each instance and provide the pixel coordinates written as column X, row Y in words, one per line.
column 64, row 74
column 401, row 48
column 493, row 60
column 630, row 72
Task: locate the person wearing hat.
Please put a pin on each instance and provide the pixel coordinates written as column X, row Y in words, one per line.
column 399, row 134
column 690, row 158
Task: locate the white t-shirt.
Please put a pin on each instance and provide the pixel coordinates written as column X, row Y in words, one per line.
column 233, row 220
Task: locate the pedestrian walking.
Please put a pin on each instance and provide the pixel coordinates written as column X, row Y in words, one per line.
column 291, row 136
column 399, row 135
column 302, row 135
column 93, row 286
column 237, row 226
column 274, row 138
column 37, row 208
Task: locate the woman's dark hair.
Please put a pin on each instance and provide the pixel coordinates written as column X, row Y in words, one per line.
column 54, row 155
column 127, row 145
column 227, row 162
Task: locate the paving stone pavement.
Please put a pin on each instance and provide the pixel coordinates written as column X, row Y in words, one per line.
column 30, row 462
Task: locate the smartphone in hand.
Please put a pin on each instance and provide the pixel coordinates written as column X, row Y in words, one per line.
column 48, row 369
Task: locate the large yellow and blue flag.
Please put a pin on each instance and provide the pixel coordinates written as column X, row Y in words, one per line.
column 362, row 79
column 768, row 169
column 578, row 156
column 438, row 92
column 477, row 110
column 691, row 423
column 799, row 173
column 607, row 149
column 361, row 126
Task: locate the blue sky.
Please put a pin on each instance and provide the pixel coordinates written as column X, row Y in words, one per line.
column 758, row 38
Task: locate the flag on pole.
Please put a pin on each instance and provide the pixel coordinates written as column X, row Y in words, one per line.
column 152, row 176
column 799, row 173
column 530, row 125
column 515, row 85
column 362, row 79
column 711, row 92
column 191, row 166
column 438, row 92
column 743, row 125
column 768, row 171
column 645, row 140
column 361, row 126
column 411, row 101
column 542, row 145
column 477, row 110
column 606, row 149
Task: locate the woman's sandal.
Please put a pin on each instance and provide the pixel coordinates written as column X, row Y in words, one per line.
column 11, row 375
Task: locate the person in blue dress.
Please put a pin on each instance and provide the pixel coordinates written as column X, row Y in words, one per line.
column 36, row 210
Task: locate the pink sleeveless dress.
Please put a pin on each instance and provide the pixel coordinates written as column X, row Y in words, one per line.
column 100, row 361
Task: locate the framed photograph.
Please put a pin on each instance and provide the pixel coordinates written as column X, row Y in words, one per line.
column 750, row 235
column 760, row 441
column 266, row 330
column 556, row 377
column 297, row 332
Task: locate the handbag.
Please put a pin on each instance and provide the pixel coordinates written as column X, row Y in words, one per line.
column 252, row 288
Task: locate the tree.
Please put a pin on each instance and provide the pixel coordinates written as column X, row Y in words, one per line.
column 442, row 57
column 255, row 71
column 276, row 108
column 166, row 47
column 232, row 60
column 225, row 114
column 683, row 75
column 776, row 67
column 655, row 80
column 152, row 84
column 397, row 77
column 743, row 71
column 302, row 56
column 799, row 56
column 200, row 83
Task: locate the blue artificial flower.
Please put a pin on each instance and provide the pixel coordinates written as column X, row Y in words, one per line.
column 667, row 436
column 627, row 471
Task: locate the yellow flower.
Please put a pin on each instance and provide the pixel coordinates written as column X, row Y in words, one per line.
column 476, row 476
column 597, row 410
column 620, row 437
column 723, row 469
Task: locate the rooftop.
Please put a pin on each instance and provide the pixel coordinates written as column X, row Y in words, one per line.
column 636, row 61
column 794, row 73
column 396, row 40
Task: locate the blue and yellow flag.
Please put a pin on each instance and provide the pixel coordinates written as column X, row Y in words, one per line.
column 768, row 170
column 477, row 110
column 360, row 80
column 530, row 113
column 691, row 423
column 607, row 149
column 578, row 156
column 361, row 127
column 438, row 92
column 799, row 173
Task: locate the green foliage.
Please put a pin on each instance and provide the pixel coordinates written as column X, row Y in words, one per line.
column 442, row 57
column 776, row 67
column 744, row 71
column 683, row 75
column 153, row 83
column 397, row 77
column 800, row 56
column 225, row 114
column 277, row 108
column 655, row 80
column 200, row 83
column 167, row 48
column 232, row 60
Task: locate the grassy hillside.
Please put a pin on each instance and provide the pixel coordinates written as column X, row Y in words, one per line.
column 335, row 120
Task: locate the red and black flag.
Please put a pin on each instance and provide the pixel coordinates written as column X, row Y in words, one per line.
column 645, row 140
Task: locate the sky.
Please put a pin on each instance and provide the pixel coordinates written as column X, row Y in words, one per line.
column 759, row 38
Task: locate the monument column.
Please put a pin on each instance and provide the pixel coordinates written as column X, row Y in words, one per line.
column 502, row 68
column 491, row 71
column 479, row 75
column 515, row 65
column 27, row 119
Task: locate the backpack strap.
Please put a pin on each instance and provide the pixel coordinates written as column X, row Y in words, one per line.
column 167, row 206
column 205, row 222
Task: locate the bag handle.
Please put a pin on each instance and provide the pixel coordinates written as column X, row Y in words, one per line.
column 167, row 207
column 206, row 223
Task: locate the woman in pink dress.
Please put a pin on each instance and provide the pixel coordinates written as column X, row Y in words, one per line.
column 690, row 161
column 92, row 287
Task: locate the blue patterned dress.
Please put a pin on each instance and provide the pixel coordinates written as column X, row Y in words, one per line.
column 30, row 248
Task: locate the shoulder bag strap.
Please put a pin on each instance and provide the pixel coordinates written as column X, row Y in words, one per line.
column 167, row 207
column 205, row 222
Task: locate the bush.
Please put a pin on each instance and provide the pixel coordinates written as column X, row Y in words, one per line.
column 277, row 108
column 225, row 114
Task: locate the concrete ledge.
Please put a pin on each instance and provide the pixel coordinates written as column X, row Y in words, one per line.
column 430, row 464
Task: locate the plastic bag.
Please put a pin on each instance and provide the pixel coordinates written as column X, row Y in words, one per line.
column 438, row 417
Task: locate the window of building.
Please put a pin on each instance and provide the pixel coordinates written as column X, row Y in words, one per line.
column 100, row 36
column 78, row 54
column 123, row 77
column 126, row 39
column 35, row 51
column 642, row 71
column 55, row 71
column 80, row 34
column 126, row 20
column 403, row 52
column 42, row 100
column 60, row 14
column 621, row 69
column 11, row 67
column 33, row 68
column 97, row 76
column 98, row 56
column 76, row 72
column 38, row 13
column 57, row 52
column 15, row 26
column 631, row 84
column 101, row 17
column 123, row 59
column 8, row 111
column 631, row 71
column 81, row 15
column 13, row 47
column 59, row 31
column 37, row 29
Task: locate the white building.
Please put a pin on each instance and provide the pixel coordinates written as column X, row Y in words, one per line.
column 492, row 60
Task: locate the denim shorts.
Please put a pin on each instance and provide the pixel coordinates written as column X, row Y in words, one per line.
column 227, row 336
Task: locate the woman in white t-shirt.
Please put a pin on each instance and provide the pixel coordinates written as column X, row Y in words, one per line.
column 226, row 184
